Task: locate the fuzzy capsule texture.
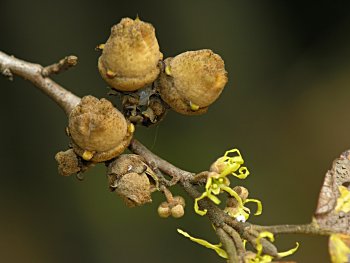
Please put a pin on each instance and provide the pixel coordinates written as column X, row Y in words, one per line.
column 98, row 130
column 130, row 57
column 68, row 163
column 134, row 188
column 192, row 81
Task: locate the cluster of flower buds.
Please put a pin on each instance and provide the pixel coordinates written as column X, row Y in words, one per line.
column 174, row 207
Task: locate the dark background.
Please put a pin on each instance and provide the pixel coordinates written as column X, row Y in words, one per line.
column 286, row 106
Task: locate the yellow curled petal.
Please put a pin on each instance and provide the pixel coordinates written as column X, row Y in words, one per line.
column 222, row 253
column 258, row 204
column 196, row 207
column 214, row 199
column 243, row 173
column 208, row 183
column 289, row 252
column 233, row 194
column 230, row 169
column 259, row 247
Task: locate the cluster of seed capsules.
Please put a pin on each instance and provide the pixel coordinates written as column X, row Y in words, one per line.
column 133, row 66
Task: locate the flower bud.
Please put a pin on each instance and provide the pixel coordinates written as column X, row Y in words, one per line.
column 130, row 57
column 99, row 132
column 177, row 211
column 191, row 81
column 179, row 200
column 164, row 210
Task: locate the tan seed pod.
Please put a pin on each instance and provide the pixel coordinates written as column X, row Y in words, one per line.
column 99, row 132
column 130, row 163
column 127, row 163
column 191, row 81
column 134, row 188
column 130, row 57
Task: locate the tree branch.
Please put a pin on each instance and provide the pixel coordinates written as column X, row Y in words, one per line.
column 308, row 229
column 229, row 246
column 229, row 230
column 10, row 66
column 62, row 65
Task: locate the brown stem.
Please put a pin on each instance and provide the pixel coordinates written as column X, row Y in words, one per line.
column 229, row 246
column 10, row 65
column 62, row 65
column 308, row 229
column 235, row 237
column 215, row 214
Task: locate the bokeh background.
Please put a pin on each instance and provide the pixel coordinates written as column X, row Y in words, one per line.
column 286, row 106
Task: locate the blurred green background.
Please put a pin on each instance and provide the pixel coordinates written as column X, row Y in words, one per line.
column 286, row 107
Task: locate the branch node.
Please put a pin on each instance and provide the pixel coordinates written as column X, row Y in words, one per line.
column 62, row 65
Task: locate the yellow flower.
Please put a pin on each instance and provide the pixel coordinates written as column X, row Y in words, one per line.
column 260, row 258
column 217, row 182
column 226, row 165
column 241, row 213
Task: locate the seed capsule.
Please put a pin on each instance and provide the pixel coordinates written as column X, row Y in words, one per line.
column 130, row 178
column 130, row 57
column 191, row 81
column 99, row 132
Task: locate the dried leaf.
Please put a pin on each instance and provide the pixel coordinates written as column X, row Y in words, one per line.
column 332, row 211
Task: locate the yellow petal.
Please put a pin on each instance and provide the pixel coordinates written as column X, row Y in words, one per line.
column 214, row 199
column 222, row 253
column 233, row 194
column 258, row 204
column 259, row 247
column 289, row 252
column 339, row 248
column 196, row 207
